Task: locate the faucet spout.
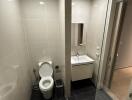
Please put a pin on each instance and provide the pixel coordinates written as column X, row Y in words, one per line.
column 77, row 54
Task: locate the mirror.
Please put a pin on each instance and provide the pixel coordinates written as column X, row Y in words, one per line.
column 77, row 33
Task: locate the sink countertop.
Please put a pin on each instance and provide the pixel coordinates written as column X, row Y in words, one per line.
column 81, row 59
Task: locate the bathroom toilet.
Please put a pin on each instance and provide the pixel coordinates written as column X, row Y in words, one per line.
column 46, row 83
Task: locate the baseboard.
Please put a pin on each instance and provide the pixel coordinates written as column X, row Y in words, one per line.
column 112, row 95
column 122, row 67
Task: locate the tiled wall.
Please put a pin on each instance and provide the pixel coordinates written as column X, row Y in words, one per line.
column 41, row 23
column 96, row 27
column 15, row 66
column 96, row 32
column 80, row 14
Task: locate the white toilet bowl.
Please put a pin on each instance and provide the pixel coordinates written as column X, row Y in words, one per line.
column 46, row 83
column 46, row 86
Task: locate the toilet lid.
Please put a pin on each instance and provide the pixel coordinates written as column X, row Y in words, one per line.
column 45, row 70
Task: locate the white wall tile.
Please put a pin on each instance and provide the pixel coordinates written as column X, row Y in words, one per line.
column 15, row 68
column 43, row 27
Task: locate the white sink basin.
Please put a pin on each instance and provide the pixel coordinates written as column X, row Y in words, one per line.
column 81, row 59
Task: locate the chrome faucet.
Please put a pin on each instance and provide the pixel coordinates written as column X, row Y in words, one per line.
column 77, row 53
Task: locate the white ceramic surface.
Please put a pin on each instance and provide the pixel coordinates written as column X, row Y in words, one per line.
column 81, row 59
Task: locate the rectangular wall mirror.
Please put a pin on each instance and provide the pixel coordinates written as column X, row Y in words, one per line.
column 78, row 32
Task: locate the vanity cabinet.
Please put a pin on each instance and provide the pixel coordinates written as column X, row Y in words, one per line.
column 80, row 72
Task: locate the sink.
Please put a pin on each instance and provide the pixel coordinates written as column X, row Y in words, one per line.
column 82, row 67
column 81, row 59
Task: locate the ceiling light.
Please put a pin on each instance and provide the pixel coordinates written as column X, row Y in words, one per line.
column 73, row 3
column 41, row 3
column 10, row 0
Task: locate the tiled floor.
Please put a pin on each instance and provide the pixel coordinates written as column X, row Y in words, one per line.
column 85, row 90
column 101, row 95
column 81, row 90
column 121, row 81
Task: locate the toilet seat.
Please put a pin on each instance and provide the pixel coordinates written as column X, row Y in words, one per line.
column 46, row 83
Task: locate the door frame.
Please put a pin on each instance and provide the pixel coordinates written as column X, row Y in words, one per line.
column 115, row 40
column 107, row 39
column 111, row 49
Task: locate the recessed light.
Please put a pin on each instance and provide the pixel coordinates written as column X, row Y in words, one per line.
column 73, row 3
column 41, row 3
column 10, row 0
